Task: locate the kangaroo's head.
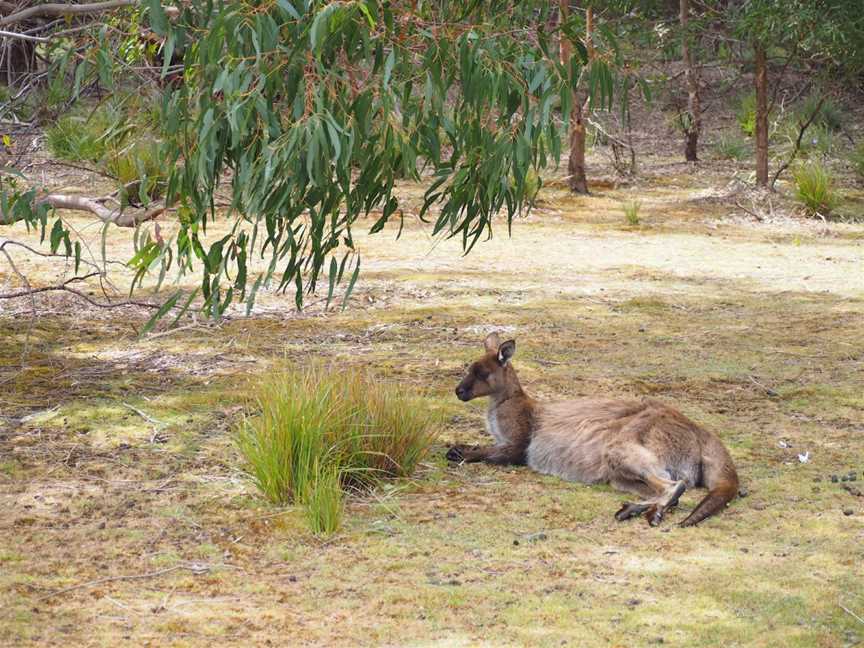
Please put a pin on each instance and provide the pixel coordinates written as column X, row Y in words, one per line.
column 492, row 374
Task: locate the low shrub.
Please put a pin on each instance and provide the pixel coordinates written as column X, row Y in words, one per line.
column 318, row 433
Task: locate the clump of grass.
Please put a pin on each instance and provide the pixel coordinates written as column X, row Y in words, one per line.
column 829, row 117
column 814, row 187
column 532, row 184
column 746, row 114
column 319, row 433
column 78, row 138
column 138, row 161
column 857, row 160
column 118, row 139
column 816, row 139
column 324, row 500
column 631, row 212
column 731, row 147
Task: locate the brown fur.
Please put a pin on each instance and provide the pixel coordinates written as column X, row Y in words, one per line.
column 639, row 446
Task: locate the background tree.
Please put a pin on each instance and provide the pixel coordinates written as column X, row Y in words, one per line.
column 818, row 34
column 693, row 118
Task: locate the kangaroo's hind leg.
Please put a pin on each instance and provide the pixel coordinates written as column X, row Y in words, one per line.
column 636, row 469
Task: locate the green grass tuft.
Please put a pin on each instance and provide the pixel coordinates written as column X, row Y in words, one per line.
column 830, row 116
column 857, row 160
column 78, row 139
column 814, row 187
column 746, row 114
column 732, row 147
column 138, row 161
column 324, row 499
column 631, row 212
column 319, row 431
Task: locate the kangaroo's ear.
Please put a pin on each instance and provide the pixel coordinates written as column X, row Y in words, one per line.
column 492, row 342
column 506, row 351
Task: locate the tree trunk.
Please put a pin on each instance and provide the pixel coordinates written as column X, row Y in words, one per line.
column 576, row 165
column 694, row 125
column 761, row 81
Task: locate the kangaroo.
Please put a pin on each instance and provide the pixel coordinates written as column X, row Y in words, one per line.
column 638, row 446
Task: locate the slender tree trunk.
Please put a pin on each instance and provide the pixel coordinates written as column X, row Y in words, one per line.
column 761, row 81
column 576, row 165
column 691, row 76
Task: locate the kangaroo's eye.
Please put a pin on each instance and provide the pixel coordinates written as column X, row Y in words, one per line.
column 482, row 375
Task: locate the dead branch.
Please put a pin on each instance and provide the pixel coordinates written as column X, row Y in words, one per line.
column 59, row 9
column 802, row 128
column 24, row 37
column 29, row 292
column 95, row 206
column 78, row 293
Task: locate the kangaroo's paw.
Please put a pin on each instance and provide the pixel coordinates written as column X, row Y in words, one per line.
column 654, row 515
column 457, row 452
column 629, row 510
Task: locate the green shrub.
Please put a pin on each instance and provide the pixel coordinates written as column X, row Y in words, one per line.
column 814, row 187
column 318, row 432
column 746, row 114
column 732, row 147
column 631, row 212
column 857, row 160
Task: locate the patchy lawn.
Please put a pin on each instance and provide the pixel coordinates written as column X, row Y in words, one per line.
column 126, row 517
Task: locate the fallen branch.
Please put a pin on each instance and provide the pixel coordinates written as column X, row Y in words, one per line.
column 29, row 292
column 95, row 206
column 64, row 287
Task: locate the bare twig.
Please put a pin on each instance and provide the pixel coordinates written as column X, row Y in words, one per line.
column 60, row 9
column 144, row 415
column 767, row 390
column 850, row 613
column 188, row 327
column 24, row 37
column 752, row 213
column 195, row 568
column 802, row 128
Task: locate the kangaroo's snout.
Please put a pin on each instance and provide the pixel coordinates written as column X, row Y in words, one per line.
column 463, row 393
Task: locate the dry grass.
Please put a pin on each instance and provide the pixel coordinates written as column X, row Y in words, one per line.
column 754, row 332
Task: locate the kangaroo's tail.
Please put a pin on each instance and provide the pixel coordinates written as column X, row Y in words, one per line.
column 721, row 479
